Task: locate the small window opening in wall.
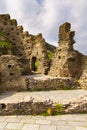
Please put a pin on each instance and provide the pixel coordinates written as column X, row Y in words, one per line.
column 59, row 57
column 5, row 23
column 8, row 34
column 5, row 19
column 3, row 106
column 11, row 74
column 71, row 60
column 64, row 67
column 20, row 54
column 59, row 50
column 13, row 43
column 17, row 33
column 9, row 66
column 12, row 28
column 1, row 29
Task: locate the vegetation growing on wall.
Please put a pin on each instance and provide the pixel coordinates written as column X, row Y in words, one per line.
column 50, row 54
column 36, row 65
column 5, row 43
column 58, row 109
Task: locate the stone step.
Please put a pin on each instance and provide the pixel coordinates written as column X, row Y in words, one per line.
column 62, row 101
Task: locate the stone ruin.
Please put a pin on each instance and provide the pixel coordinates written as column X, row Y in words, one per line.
column 67, row 61
column 27, row 49
column 10, row 74
column 35, row 49
column 24, row 45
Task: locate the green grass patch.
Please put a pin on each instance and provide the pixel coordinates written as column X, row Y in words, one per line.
column 5, row 36
column 44, row 114
column 5, row 44
column 59, row 108
column 36, row 65
column 50, row 54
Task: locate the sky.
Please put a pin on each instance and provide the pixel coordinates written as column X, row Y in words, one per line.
column 45, row 16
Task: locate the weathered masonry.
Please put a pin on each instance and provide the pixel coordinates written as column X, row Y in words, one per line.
column 29, row 55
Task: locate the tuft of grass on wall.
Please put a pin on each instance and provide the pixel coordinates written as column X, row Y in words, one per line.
column 50, row 54
column 59, row 107
column 5, row 44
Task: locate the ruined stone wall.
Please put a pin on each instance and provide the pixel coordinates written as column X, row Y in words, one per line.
column 4, row 49
column 35, row 49
column 36, row 83
column 66, row 61
column 28, row 42
column 15, row 34
column 25, row 46
column 10, row 74
column 45, row 106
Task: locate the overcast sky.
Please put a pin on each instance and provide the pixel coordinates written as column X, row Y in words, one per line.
column 45, row 16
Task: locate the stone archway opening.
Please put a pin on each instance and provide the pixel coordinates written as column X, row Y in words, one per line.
column 34, row 64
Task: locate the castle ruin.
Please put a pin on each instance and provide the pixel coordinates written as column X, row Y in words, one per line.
column 27, row 49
